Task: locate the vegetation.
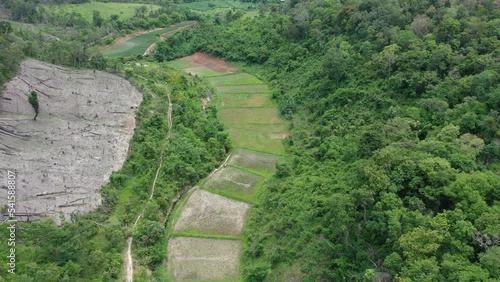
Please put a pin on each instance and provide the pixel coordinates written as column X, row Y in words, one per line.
column 394, row 167
column 139, row 44
column 33, row 100
column 122, row 11
column 9, row 53
column 89, row 247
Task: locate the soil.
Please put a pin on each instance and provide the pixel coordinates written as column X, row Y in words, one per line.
column 199, row 259
column 210, row 62
column 82, row 134
column 209, row 213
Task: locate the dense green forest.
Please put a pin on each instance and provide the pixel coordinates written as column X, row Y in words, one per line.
column 395, row 137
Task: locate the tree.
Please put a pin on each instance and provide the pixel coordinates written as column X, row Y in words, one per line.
column 421, row 25
column 389, row 57
column 97, row 19
column 33, row 100
column 5, row 27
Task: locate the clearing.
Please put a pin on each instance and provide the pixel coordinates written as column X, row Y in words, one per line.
column 217, row 221
column 80, row 137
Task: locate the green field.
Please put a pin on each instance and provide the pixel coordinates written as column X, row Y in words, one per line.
column 243, row 89
column 204, row 71
column 219, row 5
column 235, row 79
column 249, row 115
column 246, row 100
column 139, row 44
column 255, row 162
column 255, row 140
column 123, row 10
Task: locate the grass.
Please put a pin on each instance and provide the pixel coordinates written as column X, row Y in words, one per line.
column 204, row 71
column 243, row 89
column 250, row 115
column 235, row 79
column 257, row 162
column 230, row 177
column 180, row 64
column 256, row 141
column 247, row 197
column 219, row 5
column 124, row 11
column 204, row 235
column 139, row 44
column 245, row 100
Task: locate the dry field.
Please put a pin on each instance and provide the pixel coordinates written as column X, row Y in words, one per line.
column 209, row 213
column 200, row 259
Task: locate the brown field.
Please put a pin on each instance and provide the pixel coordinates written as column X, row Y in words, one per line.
column 209, row 213
column 195, row 259
column 210, row 62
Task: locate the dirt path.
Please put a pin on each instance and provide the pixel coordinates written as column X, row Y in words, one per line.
column 129, row 262
column 166, row 35
column 169, row 114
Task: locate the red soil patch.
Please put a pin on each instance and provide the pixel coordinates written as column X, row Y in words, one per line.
column 210, row 62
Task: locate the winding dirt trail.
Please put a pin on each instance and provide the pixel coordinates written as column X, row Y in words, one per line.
column 129, row 262
column 166, row 35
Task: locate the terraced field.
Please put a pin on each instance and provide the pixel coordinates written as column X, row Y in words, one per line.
column 139, row 44
column 205, row 243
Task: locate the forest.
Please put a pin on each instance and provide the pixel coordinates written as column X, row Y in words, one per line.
column 393, row 107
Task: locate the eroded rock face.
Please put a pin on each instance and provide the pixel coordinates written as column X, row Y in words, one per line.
column 82, row 134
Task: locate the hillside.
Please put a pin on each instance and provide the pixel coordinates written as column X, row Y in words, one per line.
column 79, row 138
column 364, row 134
column 394, row 173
